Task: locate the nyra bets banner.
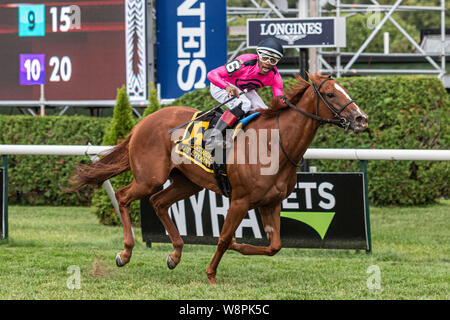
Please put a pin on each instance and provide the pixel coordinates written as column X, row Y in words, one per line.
column 191, row 39
column 325, row 210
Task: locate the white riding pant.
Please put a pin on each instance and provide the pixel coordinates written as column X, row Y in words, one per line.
column 250, row 100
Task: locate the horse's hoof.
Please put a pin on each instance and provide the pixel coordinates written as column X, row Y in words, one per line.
column 212, row 281
column 170, row 263
column 119, row 261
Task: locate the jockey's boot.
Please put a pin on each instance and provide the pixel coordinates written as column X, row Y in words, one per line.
column 227, row 120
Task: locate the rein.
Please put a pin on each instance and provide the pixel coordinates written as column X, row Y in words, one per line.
column 339, row 121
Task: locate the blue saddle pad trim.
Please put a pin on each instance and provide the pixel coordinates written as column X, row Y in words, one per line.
column 249, row 118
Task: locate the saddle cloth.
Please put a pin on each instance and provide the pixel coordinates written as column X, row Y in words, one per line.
column 192, row 146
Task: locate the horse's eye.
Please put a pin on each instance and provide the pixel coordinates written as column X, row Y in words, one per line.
column 330, row 95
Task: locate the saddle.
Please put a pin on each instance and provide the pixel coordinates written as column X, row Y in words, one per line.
column 192, row 146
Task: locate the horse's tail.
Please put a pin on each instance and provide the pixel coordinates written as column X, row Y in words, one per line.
column 113, row 163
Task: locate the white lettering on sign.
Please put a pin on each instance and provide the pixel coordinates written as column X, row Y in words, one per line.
column 250, row 222
column 323, row 189
column 177, row 212
column 197, row 206
column 191, row 47
column 216, row 211
column 307, row 186
column 290, row 205
column 185, row 9
column 290, row 31
column 328, row 196
column 275, row 29
column 192, row 74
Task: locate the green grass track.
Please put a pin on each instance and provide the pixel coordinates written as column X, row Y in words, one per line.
column 48, row 245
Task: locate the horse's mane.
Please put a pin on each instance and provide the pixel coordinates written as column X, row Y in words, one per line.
column 294, row 93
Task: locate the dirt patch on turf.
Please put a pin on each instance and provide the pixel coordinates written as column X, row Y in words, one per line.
column 100, row 269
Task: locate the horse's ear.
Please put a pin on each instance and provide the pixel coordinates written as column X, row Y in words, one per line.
column 313, row 78
column 300, row 79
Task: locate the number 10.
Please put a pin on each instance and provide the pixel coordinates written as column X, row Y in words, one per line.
column 33, row 68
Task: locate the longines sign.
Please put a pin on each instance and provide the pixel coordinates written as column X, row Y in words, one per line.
column 298, row 33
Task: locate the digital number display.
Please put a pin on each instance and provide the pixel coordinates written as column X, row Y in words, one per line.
column 76, row 49
column 32, row 69
column 32, row 20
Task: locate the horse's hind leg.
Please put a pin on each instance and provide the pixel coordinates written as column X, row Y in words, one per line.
column 270, row 217
column 125, row 196
column 179, row 189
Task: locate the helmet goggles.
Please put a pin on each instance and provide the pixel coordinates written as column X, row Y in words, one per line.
column 268, row 57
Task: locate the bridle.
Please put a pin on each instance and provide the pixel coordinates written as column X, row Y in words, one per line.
column 338, row 119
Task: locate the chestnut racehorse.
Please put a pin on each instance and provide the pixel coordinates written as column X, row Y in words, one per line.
column 148, row 153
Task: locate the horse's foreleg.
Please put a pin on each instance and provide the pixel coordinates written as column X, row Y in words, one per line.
column 237, row 211
column 271, row 221
column 179, row 189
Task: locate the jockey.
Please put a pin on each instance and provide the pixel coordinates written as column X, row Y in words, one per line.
column 247, row 71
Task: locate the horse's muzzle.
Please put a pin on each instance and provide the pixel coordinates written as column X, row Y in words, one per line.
column 360, row 122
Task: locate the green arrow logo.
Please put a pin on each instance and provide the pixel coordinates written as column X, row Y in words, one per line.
column 319, row 221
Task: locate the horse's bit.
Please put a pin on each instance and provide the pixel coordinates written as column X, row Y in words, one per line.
column 339, row 121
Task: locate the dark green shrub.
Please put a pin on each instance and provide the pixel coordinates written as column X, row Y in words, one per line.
column 405, row 112
column 153, row 103
column 200, row 99
column 37, row 180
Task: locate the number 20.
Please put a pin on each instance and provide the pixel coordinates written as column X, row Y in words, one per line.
column 62, row 70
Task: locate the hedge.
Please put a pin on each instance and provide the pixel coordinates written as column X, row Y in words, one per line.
column 405, row 112
column 37, row 180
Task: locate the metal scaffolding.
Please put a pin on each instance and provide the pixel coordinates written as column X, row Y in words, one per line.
column 319, row 63
column 345, row 69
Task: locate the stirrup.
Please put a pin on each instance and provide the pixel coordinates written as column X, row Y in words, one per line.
column 213, row 143
column 227, row 120
column 216, row 138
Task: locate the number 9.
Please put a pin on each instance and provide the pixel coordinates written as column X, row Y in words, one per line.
column 31, row 20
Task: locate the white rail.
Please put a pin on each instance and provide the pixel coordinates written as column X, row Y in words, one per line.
column 378, row 154
column 57, row 150
column 348, row 154
column 314, row 153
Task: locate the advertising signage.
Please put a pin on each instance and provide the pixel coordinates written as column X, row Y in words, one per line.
column 191, row 38
column 298, row 33
column 325, row 210
column 77, row 50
